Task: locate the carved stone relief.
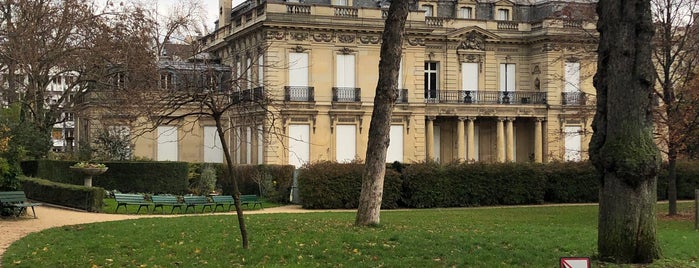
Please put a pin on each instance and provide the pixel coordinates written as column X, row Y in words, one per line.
column 473, row 41
column 346, row 38
column 322, row 37
column 369, row 39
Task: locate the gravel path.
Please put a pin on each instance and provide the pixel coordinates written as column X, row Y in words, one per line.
column 14, row 228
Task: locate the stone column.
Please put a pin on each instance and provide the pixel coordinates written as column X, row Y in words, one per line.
column 460, row 139
column 500, row 134
column 429, row 136
column 470, row 139
column 538, row 141
column 510, row 134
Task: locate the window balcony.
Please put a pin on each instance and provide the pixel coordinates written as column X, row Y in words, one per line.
column 299, row 93
column 486, row 97
column 347, row 94
column 574, row 98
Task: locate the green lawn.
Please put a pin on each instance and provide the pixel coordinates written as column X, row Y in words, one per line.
column 476, row 237
column 110, row 206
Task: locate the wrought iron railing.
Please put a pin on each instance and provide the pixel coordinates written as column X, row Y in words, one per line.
column 574, row 98
column 256, row 94
column 486, row 97
column 347, row 94
column 297, row 93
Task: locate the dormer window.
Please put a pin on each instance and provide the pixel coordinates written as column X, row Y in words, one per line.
column 465, row 12
column 429, row 10
column 503, row 14
column 340, row 2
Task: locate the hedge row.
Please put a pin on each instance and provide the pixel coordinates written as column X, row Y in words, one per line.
column 427, row 185
column 330, row 185
column 270, row 181
column 81, row 197
column 128, row 177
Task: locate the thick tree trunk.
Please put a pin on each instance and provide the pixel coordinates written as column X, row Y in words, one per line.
column 236, row 190
column 622, row 147
column 369, row 210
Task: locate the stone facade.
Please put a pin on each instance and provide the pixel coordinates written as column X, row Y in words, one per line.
column 487, row 81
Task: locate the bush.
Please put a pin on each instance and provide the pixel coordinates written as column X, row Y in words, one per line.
column 272, row 182
column 571, row 182
column 687, row 180
column 326, row 185
column 428, row 185
column 81, row 197
column 128, row 177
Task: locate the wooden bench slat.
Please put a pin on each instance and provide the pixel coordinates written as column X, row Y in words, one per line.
column 17, row 200
column 131, row 199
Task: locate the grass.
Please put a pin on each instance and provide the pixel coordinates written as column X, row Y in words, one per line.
column 480, row 237
column 110, row 206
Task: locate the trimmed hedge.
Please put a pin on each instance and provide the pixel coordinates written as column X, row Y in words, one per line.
column 276, row 178
column 325, row 185
column 571, row 182
column 81, row 197
column 128, row 177
column 428, row 185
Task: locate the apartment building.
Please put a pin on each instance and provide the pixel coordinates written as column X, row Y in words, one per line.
column 492, row 81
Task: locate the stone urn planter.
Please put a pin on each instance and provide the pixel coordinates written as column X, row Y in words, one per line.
column 89, row 172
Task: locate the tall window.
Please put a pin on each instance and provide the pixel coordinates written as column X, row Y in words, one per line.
column 345, row 143
column 503, row 14
column 298, row 69
column 395, row 148
column 248, row 73
column 248, row 145
column 299, row 145
column 572, row 83
column 260, row 145
column 260, row 70
column 429, row 10
column 167, row 143
column 167, row 80
column 213, row 151
column 431, row 80
column 507, row 77
column 345, row 71
column 573, row 143
column 465, row 12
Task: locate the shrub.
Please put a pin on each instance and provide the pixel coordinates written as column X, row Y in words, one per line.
column 270, row 181
column 326, row 185
column 429, row 184
column 134, row 177
column 687, row 180
column 571, row 182
column 81, row 197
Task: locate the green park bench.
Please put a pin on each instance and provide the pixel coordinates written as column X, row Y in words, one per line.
column 197, row 200
column 222, row 200
column 131, row 199
column 248, row 199
column 159, row 201
column 17, row 201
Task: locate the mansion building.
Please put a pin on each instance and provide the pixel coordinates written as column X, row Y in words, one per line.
column 480, row 80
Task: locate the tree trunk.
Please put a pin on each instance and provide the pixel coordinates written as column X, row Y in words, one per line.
column 369, row 210
column 236, row 190
column 622, row 147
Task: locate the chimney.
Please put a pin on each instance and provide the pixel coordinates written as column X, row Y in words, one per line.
column 224, row 12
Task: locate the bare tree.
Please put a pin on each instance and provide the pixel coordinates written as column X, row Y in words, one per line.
column 71, row 41
column 622, row 147
column 369, row 210
column 676, row 53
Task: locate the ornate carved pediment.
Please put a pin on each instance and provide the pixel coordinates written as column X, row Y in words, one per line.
column 472, row 41
column 463, row 33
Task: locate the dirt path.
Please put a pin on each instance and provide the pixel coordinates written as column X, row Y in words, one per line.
column 13, row 228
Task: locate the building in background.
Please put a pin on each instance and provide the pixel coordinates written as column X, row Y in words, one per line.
column 491, row 81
